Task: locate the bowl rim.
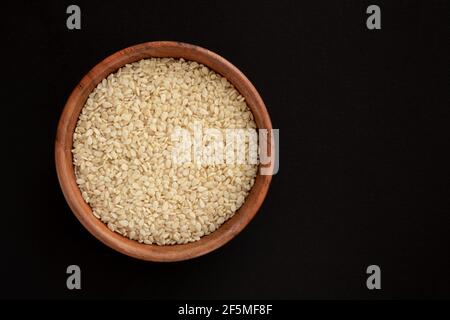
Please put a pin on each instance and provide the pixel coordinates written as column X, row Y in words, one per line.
column 66, row 173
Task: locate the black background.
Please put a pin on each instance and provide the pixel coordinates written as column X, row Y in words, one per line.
column 364, row 133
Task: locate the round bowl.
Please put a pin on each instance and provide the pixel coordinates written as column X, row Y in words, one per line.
column 65, row 168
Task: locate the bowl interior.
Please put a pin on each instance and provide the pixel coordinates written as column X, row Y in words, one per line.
column 65, row 169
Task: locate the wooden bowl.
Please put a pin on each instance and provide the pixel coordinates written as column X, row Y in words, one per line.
column 65, row 168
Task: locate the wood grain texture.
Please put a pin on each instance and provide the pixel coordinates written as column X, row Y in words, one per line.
column 65, row 169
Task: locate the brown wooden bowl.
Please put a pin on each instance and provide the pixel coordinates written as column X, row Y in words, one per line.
column 65, row 168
